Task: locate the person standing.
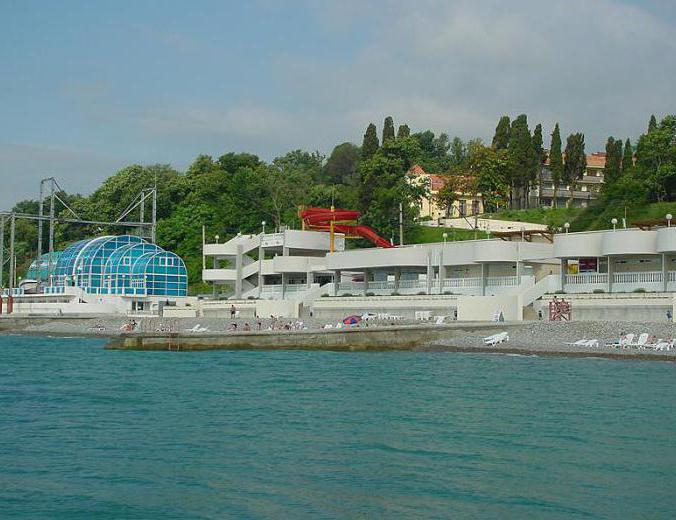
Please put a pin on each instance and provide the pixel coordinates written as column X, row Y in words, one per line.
column 233, row 312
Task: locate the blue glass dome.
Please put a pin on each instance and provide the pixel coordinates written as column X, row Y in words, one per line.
column 124, row 264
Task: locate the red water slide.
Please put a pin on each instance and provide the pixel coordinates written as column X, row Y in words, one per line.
column 344, row 221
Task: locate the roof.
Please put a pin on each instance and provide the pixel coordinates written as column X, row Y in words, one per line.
column 436, row 181
column 594, row 160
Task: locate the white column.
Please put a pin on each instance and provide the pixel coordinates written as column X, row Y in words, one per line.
column 484, row 276
column 337, row 275
column 611, row 272
column 665, row 273
column 238, row 269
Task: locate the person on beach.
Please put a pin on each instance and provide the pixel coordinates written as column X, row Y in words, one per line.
column 233, row 327
column 540, row 315
column 247, row 328
column 259, row 325
column 669, row 315
column 233, row 312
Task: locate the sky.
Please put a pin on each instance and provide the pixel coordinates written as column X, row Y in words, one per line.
column 87, row 88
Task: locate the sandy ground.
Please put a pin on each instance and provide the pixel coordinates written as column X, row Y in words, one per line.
column 542, row 338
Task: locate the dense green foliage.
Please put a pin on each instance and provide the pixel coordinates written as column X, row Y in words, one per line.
column 236, row 192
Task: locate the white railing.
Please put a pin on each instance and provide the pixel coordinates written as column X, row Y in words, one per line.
column 351, row 286
column 412, row 284
column 586, row 278
column 461, row 283
column 272, row 289
column 671, row 276
column 382, row 285
column 502, row 281
column 641, row 277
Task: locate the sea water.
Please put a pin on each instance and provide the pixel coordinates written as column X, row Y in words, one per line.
column 87, row 433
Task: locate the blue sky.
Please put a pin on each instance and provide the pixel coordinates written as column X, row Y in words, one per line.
column 88, row 87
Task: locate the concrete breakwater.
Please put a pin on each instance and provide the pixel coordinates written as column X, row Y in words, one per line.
column 405, row 337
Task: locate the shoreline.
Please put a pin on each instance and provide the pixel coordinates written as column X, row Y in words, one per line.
column 546, row 339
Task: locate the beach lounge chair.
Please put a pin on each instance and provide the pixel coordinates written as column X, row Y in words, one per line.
column 198, row 328
column 592, row 343
column 664, row 345
column 495, row 339
column 640, row 342
column 439, row 320
column 578, row 343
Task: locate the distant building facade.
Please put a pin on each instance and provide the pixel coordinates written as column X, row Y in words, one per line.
column 466, row 204
column 586, row 189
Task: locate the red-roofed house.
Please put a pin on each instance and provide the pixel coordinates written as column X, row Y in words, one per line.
column 465, row 205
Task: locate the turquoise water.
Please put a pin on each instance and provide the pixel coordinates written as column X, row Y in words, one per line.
column 87, row 434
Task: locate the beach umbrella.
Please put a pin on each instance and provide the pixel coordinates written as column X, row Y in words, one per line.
column 352, row 320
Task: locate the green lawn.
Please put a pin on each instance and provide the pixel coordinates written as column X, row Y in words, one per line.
column 425, row 234
column 554, row 218
column 599, row 216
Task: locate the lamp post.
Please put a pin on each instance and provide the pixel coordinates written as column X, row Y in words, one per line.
column 217, row 237
column 669, row 217
column 567, row 227
column 445, row 236
column 263, row 225
column 614, row 223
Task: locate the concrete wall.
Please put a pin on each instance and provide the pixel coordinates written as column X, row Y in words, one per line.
column 337, row 308
column 616, row 307
column 483, row 308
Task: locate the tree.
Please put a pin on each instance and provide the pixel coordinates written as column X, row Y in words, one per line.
column 656, row 160
column 538, row 149
column 556, row 163
column 613, row 168
column 458, row 152
column 488, row 168
column 627, row 157
column 434, row 151
column 370, row 144
column 576, row 163
column 202, row 165
column 652, row 124
column 341, row 166
column 522, row 161
column 403, row 132
column 388, row 129
column 502, row 131
column 385, row 185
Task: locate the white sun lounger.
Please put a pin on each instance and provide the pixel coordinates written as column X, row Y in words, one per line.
column 578, row 343
column 198, row 328
column 493, row 340
column 640, row 342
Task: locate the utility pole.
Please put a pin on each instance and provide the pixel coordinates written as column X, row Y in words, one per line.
column 153, row 230
column 40, row 214
column 401, row 224
column 142, row 228
column 12, row 265
column 51, row 231
column 2, row 250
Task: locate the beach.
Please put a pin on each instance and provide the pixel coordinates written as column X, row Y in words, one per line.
column 539, row 338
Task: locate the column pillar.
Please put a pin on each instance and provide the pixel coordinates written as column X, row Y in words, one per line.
column 564, row 270
column 261, row 257
column 665, row 273
column 238, row 269
column 611, row 272
column 484, row 276
column 430, row 273
column 337, row 275
column 366, row 281
column 442, row 271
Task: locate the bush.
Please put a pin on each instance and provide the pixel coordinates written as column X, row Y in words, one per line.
column 252, row 298
column 370, row 294
column 346, row 294
column 640, row 290
column 559, row 292
column 325, row 295
column 421, row 293
column 448, row 292
column 394, row 293
column 598, row 291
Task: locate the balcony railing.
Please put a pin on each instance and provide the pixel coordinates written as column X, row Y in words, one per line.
column 641, row 277
column 586, row 278
column 502, row 281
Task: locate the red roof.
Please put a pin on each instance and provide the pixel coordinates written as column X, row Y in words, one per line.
column 436, row 181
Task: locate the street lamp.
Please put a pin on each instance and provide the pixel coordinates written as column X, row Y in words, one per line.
column 614, row 223
column 217, row 237
column 567, row 226
column 445, row 235
column 263, row 224
column 669, row 217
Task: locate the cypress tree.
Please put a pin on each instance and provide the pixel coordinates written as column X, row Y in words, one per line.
column 502, row 131
column 576, row 162
column 556, row 162
column 403, row 132
column 628, row 157
column 388, row 129
column 539, row 158
column 613, row 167
column 522, row 160
column 652, row 124
column 370, row 144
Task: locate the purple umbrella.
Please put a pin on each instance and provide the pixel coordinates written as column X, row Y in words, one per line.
column 352, row 320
